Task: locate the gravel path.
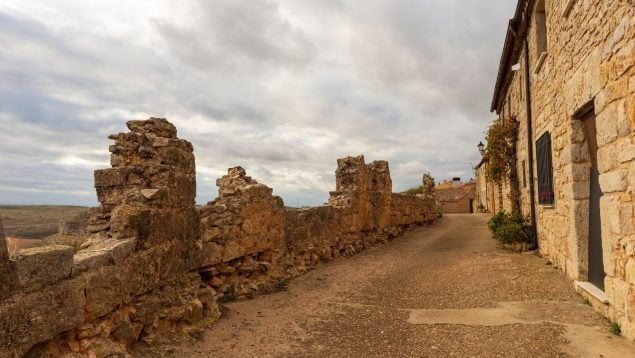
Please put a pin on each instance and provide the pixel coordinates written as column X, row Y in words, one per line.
column 440, row 291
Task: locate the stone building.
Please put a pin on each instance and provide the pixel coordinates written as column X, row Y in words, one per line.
column 567, row 76
column 456, row 199
column 484, row 200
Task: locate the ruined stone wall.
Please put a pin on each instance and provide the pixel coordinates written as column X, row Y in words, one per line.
column 132, row 278
column 251, row 241
column 155, row 263
column 590, row 58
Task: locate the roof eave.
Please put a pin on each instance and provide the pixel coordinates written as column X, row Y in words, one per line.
column 511, row 52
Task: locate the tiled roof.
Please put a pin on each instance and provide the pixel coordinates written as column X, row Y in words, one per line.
column 454, row 194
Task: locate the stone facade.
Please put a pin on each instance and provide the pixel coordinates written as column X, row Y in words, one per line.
column 485, row 200
column 457, row 200
column 581, row 54
column 155, row 263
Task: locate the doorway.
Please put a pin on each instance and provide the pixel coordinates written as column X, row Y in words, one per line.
column 596, row 261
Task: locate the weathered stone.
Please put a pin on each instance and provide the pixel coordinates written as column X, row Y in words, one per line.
column 212, row 254
column 89, row 259
column 104, row 289
column 40, row 266
column 150, row 193
column 143, row 269
column 30, row 318
column 614, row 181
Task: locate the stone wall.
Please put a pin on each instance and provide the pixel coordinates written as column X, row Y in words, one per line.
column 590, row 59
column 134, row 278
column 251, row 241
column 155, row 263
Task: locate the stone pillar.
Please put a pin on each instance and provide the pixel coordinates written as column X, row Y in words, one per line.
column 427, row 183
column 149, row 193
column 351, row 191
column 380, row 192
column 5, row 270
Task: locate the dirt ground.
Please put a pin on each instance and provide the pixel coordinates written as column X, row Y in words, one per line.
column 440, row 291
column 36, row 221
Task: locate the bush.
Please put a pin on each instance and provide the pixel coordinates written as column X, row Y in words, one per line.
column 509, row 228
column 414, row 191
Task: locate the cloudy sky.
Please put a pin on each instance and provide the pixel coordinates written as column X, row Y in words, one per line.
column 280, row 87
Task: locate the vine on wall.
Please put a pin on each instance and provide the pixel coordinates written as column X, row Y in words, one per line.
column 501, row 152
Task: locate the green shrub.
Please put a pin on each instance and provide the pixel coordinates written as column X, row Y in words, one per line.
column 496, row 221
column 414, row 191
column 509, row 228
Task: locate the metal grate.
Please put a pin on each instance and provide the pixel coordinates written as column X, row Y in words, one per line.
column 545, row 170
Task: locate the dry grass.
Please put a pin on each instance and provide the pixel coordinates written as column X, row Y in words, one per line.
column 36, row 221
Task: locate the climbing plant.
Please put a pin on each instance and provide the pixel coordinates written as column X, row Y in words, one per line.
column 501, row 149
column 501, row 152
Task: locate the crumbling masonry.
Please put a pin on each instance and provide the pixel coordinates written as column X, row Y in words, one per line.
column 154, row 262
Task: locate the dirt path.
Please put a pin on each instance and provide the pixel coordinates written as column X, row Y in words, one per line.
column 441, row 291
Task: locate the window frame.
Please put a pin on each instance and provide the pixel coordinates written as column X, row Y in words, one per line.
column 544, row 161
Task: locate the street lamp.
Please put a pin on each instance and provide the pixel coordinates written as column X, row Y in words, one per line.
column 481, row 148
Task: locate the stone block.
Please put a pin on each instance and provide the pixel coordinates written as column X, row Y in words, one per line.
column 616, row 293
column 629, row 108
column 607, row 127
column 40, row 266
column 623, row 124
column 211, row 233
column 111, row 177
column 608, row 158
column 89, row 259
column 626, row 212
column 607, row 242
column 614, row 181
column 630, row 271
column 129, row 221
column 31, row 318
column 580, row 190
column 147, row 270
column 232, row 250
column 212, row 254
column 157, row 126
column 107, row 253
column 104, row 290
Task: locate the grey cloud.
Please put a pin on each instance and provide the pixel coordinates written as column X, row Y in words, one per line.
column 238, row 36
column 281, row 87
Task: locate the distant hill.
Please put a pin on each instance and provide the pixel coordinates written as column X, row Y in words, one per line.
column 36, row 221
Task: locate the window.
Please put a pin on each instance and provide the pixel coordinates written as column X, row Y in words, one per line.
column 541, row 27
column 545, row 170
column 524, row 175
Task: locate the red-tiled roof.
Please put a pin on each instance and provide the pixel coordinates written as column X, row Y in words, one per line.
column 454, row 194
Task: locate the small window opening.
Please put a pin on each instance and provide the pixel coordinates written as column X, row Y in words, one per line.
column 541, row 27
